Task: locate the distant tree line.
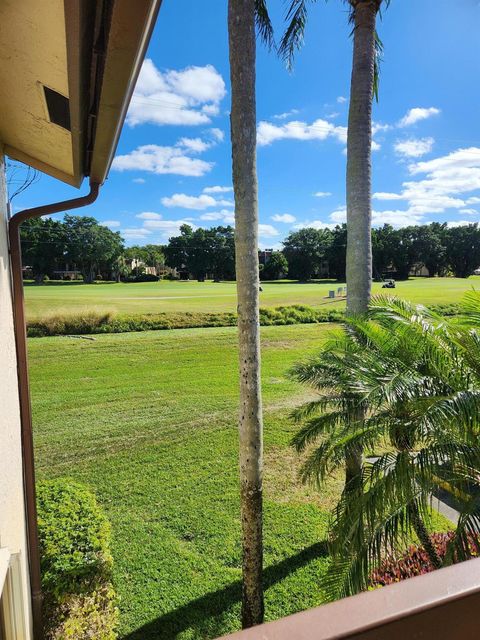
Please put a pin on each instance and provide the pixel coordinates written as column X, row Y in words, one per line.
column 49, row 245
column 441, row 249
column 82, row 244
column 203, row 252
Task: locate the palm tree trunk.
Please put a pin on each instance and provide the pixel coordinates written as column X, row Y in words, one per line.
column 422, row 534
column 359, row 182
column 241, row 31
column 359, row 166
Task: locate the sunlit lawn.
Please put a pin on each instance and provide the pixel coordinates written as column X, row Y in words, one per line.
column 166, row 296
column 149, row 421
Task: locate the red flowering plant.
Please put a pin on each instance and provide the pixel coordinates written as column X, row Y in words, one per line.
column 416, row 561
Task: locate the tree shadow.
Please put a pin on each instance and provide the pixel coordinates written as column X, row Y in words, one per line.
column 206, row 614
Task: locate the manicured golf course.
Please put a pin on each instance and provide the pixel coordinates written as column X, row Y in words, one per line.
column 166, row 296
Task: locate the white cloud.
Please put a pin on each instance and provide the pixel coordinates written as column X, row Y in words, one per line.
column 194, row 145
column 322, row 194
column 396, row 218
column 375, row 146
column 383, row 195
column 200, row 202
column 225, row 215
column 414, row 147
column 283, row 217
column 149, row 215
column 459, row 223
column 139, row 180
column 446, row 180
column 161, row 160
column 166, row 226
column 186, row 97
column 339, row 215
column 110, row 223
column 217, row 189
column 469, row 212
column 217, row 134
column 460, row 159
column 267, row 231
column 135, row 233
column 341, row 99
column 296, row 130
column 287, row 114
column 314, row 224
column 416, row 114
column 378, row 126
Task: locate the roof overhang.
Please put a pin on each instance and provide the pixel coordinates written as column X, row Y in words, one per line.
column 88, row 52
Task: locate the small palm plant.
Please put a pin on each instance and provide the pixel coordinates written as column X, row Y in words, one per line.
column 416, row 381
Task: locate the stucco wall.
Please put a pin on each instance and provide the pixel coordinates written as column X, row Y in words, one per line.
column 12, row 513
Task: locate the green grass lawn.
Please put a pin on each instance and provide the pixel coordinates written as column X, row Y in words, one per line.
column 193, row 296
column 148, row 420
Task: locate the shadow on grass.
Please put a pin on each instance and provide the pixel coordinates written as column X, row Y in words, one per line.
column 205, row 614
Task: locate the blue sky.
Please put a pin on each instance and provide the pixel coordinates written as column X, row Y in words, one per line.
column 173, row 160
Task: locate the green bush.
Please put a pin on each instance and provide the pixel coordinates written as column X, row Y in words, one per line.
column 76, row 563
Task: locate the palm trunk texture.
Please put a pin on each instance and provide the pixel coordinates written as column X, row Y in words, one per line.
column 359, row 164
column 359, row 182
column 422, row 534
column 241, row 31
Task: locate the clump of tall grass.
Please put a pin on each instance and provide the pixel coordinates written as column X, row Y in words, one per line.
column 64, row 324
column 93, row 322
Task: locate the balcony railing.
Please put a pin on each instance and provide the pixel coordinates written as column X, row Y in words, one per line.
column 435, row 606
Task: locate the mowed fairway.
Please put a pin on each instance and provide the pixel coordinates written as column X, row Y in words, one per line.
column 166, row 296
column 149, row 421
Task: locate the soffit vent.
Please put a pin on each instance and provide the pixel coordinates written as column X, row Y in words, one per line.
column 58, row 108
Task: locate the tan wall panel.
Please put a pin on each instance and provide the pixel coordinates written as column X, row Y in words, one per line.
column 32, row 53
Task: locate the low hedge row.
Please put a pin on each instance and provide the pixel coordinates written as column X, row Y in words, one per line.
column 94, row 323
column 76, row 563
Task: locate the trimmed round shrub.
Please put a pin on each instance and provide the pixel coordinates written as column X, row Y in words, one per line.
column 76, row 563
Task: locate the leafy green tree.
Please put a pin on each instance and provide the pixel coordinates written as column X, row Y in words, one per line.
column 305, row 251
column 222, row 263
column 463, row 249
column 337, row 253
column 43, row 246
column 384, row 242
column 177, row 250
column 428, row 247
column 91, row 246
column 404, row 256
column 276, row 267
column 415, row 382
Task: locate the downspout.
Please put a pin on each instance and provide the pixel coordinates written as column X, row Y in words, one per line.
column 24, row 393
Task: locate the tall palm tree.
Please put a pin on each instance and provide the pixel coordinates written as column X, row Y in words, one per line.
column 242, row 16
column 363, row 88
column 417, row 382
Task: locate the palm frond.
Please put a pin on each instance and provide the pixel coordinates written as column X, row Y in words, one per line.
column 264, row 24
column 292, row 39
